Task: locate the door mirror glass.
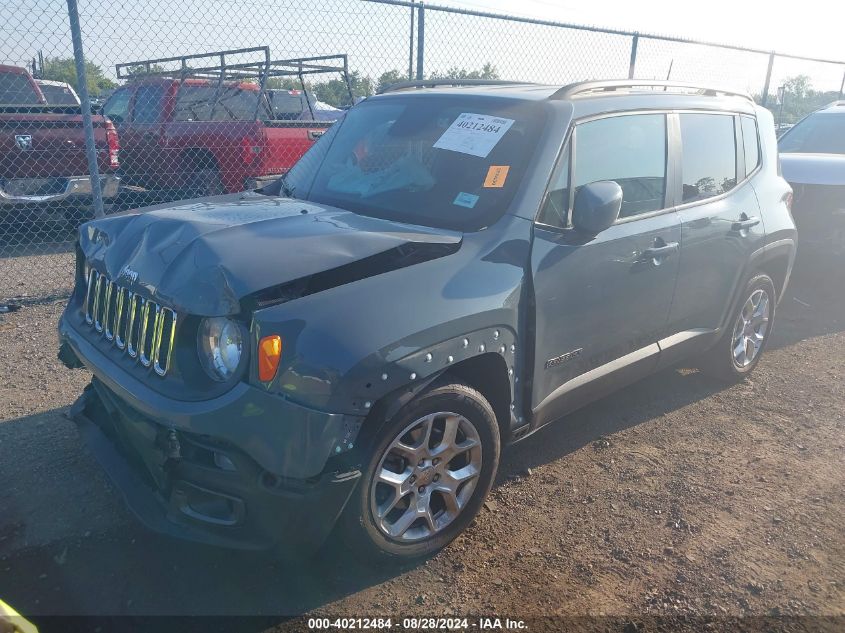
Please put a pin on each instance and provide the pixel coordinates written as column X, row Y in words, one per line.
column 597, row 206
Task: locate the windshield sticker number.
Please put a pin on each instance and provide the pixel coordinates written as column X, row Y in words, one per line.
column 474, row 134
column 467, row 200
column 496, row 176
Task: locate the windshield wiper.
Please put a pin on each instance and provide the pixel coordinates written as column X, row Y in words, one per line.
column 285, row 189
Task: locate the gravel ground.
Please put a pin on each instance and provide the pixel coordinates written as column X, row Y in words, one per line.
column 674, row 497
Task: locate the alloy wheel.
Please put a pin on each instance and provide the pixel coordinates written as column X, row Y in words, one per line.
column 426, row 477
column 751, row 328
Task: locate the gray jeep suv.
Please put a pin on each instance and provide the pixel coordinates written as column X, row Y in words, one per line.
column 446, row 271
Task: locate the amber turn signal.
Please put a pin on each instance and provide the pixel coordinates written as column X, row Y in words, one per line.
column 269, row 353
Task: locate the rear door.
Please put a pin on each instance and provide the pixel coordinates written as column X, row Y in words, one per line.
column 602, row 302
column 721, row 223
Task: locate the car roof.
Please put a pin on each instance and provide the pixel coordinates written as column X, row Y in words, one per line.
column 51, row 82
column 13, row 69
column 837, row 107
column 591, row 97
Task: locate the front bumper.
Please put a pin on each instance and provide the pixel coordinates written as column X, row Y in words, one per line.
column 198, row 489
column 75, row 189
column 247, row 470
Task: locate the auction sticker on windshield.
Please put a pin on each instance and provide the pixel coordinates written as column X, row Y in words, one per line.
column 474, row 134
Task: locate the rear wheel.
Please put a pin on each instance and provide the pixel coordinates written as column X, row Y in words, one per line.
column 739, row 350
column 426, row 477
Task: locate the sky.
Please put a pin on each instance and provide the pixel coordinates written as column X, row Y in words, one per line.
column 376, row 37
column 812, row 28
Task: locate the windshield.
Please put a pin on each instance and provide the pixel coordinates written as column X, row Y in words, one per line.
column 820, row 133
column 447, row 162
column 15, row 89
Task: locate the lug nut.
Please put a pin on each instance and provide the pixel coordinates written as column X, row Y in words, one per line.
column 435, row 461
column 413, row 478
column 437, row 478
column 422, row 489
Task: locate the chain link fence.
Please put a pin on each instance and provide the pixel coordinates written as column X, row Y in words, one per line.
column 204, row 97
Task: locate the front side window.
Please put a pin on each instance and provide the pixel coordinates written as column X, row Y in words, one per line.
column 148, row 104
column 629, row 150
column 451, row 162
column 555, row 211
column 750, row 143
column 709, row 155
column 819, row 133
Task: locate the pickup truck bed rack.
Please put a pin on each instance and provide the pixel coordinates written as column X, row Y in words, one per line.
column 200, row 66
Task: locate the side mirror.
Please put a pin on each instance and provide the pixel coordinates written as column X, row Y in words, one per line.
column 597, row 206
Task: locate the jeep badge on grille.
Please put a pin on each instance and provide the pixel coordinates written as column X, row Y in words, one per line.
column 127, row 273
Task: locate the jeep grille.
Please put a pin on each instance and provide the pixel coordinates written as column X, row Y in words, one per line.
column 142, row 328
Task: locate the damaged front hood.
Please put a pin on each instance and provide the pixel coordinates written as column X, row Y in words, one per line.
column 813, row 169
column 204, row 256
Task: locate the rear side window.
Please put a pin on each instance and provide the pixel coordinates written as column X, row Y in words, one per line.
column 750, row 143
column 709, row 155
column 15, row 89
column 147, row 104
column 233, row 103
column 630, row 150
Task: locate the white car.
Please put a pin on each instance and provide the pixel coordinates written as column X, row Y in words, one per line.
column 812, row 156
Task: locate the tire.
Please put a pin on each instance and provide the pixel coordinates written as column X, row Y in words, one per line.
column 75, row 216
column 751, row 324
column 446, row 403
column 206, row 181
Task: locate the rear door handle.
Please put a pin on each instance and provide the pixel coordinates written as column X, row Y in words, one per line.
column 745, row 223
column 656, row 252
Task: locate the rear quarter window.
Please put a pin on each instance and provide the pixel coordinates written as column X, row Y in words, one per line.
column 709, row 155
column 751, row 143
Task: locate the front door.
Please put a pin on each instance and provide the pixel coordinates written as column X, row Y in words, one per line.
column 146, row 162
column 602, row 302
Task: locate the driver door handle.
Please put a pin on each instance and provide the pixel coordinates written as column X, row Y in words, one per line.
column 656, row 252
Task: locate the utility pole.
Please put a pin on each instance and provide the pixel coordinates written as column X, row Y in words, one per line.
column 411, row 48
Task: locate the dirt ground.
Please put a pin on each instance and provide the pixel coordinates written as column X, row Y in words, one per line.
column 675, row 497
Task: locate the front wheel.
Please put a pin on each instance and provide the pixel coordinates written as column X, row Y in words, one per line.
column 429, row 471
column 205, row 182
column 739, row 350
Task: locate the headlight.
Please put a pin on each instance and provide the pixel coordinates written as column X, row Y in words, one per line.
column 220, row 347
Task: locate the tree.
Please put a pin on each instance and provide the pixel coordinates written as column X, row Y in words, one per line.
column 140, row 69
column 64, row 69
column 334, row 92
column 487, row 71
column 390, row 77
column 798, row 99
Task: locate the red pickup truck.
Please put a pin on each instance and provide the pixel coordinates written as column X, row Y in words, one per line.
column 204, row 132
column 43, row 166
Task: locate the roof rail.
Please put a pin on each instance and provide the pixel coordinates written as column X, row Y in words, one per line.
column 612, row 85
column 433, row 83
